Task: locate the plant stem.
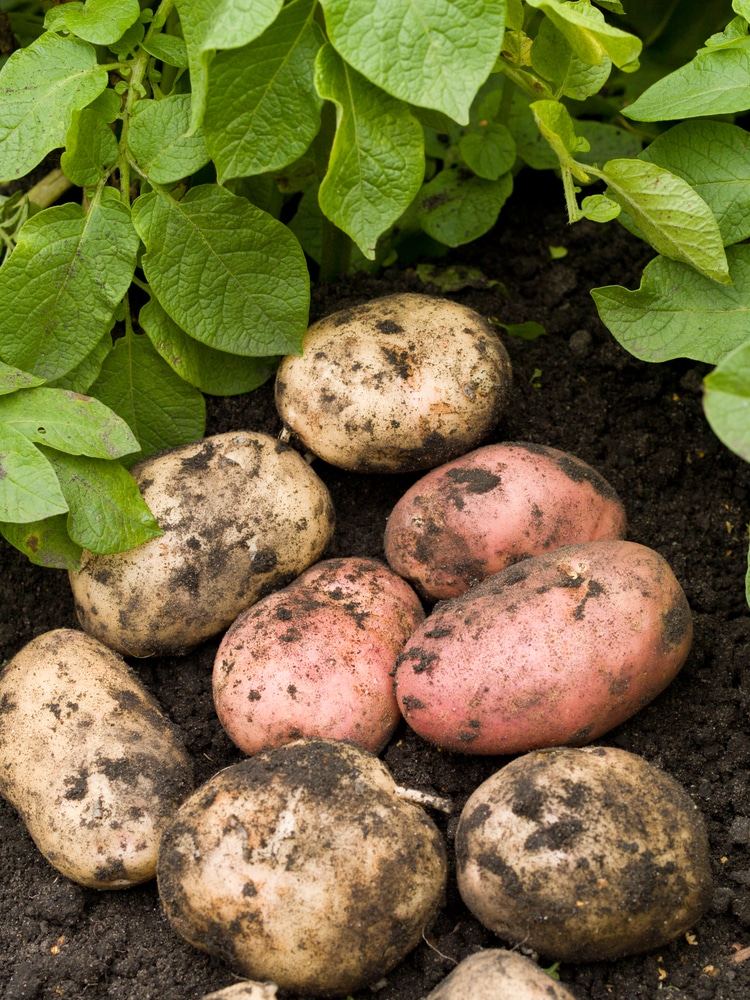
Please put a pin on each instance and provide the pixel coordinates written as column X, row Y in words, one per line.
column 49, row 188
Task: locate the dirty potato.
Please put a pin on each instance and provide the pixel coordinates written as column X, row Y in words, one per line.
column 303, row 866
column 493, row 507
column 497, row 974
column 400, row 383
column 317, row 658
column 241, row 514
column 583, row 854
column 88, row 760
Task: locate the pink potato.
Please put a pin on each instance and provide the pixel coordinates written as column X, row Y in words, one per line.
column 317, row 658
column 494, row 506
column 557, row 649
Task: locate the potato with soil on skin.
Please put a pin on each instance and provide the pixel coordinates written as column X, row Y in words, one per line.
column 497, row 974
column 559, row 648
column 583, row 855
column 400, row 383
column 317, row 658
column 241, row 514
column 303, row 866
column 492, row 507
column 88, row 759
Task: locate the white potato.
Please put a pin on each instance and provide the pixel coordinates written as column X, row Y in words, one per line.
column 88, row 760
column 303, row 865
column 400, row 383
column 241, row 514
column 497, row 974
column 583, row 854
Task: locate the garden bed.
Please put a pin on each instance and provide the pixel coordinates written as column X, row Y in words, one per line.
column 642, row 426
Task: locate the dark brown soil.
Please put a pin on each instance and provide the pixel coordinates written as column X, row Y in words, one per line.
column 686, row 496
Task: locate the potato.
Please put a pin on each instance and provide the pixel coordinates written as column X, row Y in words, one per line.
column 583, row 855
column 486, row 510
column 401, row 383
column 496, row 974
column 241, row 513
column 302, row 866
column 559, row 648
column 88, row 760
column 317, row 658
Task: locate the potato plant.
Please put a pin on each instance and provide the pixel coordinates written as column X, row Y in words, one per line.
column 187, row 131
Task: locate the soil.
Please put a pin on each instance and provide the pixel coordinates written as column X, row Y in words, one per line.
column 686, row 496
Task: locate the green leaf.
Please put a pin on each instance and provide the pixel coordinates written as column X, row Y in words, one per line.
column 674, row 218
column 456, row 277
column 376, row 164
column 227, row 273
column 246, row 133
column 80, row 378
column 100, row 22
column 531, row 145
column 29, row 490
column 129, row 42
column 45, row 543
column 168, row 48
column 40, row 87
column 714, row 158
column 456, row 208
column 60, row 286
column 67, row 421
column 107, row 105
column 157, row 139
column 553, row 58
column 91, row 147
column 489, row 150
column 558, row 128
column 106, row 510
column 434, row 53
column 589, row 35
column 524, row 331
column 214, row 372
column 606, row 142
column 599, row 208
column 12, row 379
column 726, row 400
column 677, row 313
column 162, row 410
column 210, row 25
column 713, row 83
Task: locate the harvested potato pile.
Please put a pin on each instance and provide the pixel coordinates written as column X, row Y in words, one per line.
column 583, row 855
column 400, row 383
column 241, row 514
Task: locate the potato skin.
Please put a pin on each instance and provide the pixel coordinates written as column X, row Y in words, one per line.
column 317, row 658
column 302, row 866
column 493, row 507
column 241, row 514
column 497, row 974
column 400, row 383
column 583, row 854
column 88, row 760
column 559, row 648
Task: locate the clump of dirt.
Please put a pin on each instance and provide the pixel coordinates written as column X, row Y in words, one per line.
column 686, row 496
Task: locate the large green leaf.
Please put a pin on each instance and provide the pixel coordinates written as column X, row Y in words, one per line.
column 40, row 87
column 714, row 158
column 227, row 273
column 715, row 82
column 100, row 22
column 673, row 217
column 60, row 286
column 13, row 379
column 45, row 542
column 157, row 139
column 162, row 410
column 434, row 53
column 29, row 490
column 727, row 400
column 590, row 37
column 67, row 421
column 210, row 25
column 553, row 58
column 677, row 313
column 106, row 510
column 214, row 372
column 376, row 164
column 256, row 92
column 90, row 148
